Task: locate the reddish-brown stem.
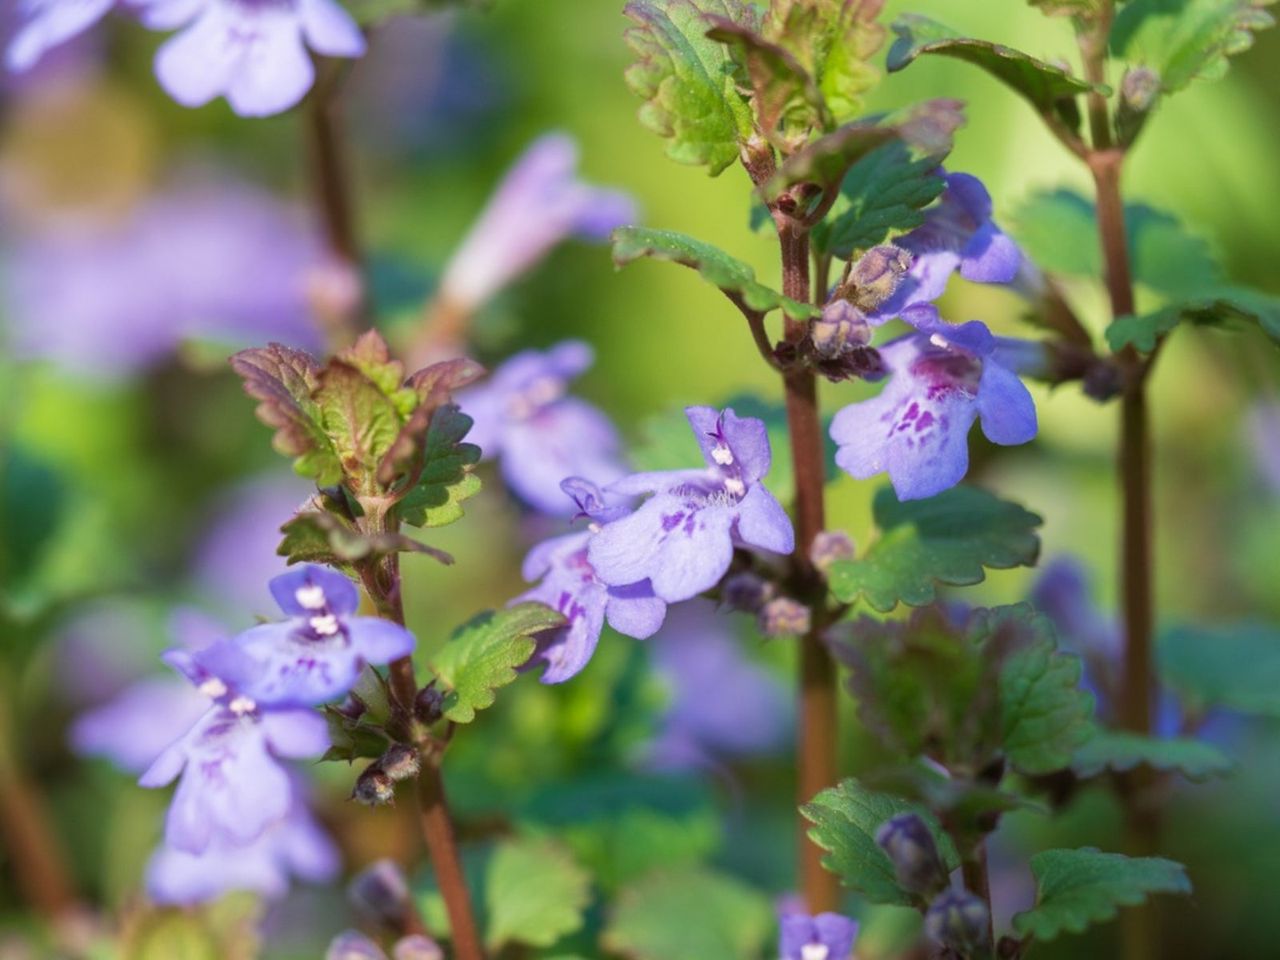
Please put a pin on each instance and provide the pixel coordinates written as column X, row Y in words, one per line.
column 977, row 880
column 437, row 828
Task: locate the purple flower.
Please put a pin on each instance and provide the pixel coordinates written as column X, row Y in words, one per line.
column 828, row 936
column 253, row 52
column 539, row 203
column 570, row 585
column 46, row 24
column 135, row 728
column 294, row 847
column 942, row 379
column 696, row 651
column 315, row 655
column 682, row 538
column 958, row 234
column 524, row 417
column 1263, row 437
column 353, row 945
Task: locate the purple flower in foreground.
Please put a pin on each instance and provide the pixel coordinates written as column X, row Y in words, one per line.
column 828, row 936
column 315, row 655
column 682, row 538
column 958, row 234
column 539, row 203
column 942, row 378
column 570, row 585
column 294, row 847
column 253, row 52
column 542, row 436
column 46, row 24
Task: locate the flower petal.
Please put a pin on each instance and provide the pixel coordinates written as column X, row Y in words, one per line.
column 329, row 29
column 930, row 453
column 634, row 611
column 1004, row 403
column 379, row 641
column 990, row 256
column 746, row 437
column 295, row 670
column 338, row 594
column 198, row 64
column 295, row 733
column 50, row 25
column 763, row 523
column 274, row 70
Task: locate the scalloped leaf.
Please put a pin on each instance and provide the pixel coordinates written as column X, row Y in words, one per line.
column 317, row 536
column 1185, row 40
column 1076, row 889
column 1121, row 750
column 534, row 893
column 845, row 819
column 1084, row 9
column 1229, row 304
column 733, row 277
column 484, row 654
column 446, row 478
column 950, row 538
column 785, row 96
column 687, row 80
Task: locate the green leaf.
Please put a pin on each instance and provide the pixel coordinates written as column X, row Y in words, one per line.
column 1120, row 750
column 1182, row 40
column 1078, row 888
column 360, row 419
column 845, row 819
column 948, row 539
column 352, row 740
column 484, row 653
column 1049, row 89
column 1045, row 716
column 374, row 12
column 688, row 81
column 733, row 277
column 446, row 477
column 1248, row 306
column 689, row 915
column 785, row 96
column 1237, row 667
column 283, row 380
column 883, row 192
column 33, row 502
column 316, row 536
column 1068, row 8
column 534, row 894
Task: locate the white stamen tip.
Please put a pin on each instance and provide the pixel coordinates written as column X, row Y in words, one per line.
column 242, row 705
column 326, row 626
column 213, row 688
column 814, row 951
column 594, row 527
column 938, row 340
column 722, row 455
column 310, row 597
column 735, row 486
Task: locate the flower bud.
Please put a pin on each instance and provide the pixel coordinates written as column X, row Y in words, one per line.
column 352, row 945
column 784, row 617
column 428, row 705
column 400, row 762
column 830, row 547
column 876, row 275
column 380, row 893
column 417, row 947
column 373, row 787
column 1139, row 91
column 353, row 708
column 909, row 845
column 840, row 328
column 746, row 592
column 959, row 920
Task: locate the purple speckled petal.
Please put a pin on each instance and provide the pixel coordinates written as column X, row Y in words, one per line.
column 567, row 650
column 932, row 455
column 540, row 559
column 293, row 669
column 745, row 439
column 379, row 641
column 339, row 595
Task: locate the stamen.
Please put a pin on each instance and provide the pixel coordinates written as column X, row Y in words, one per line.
column 213, row 688
column 735, row 486
column 310, row 597
column 938, row 340
column 242, row 705
column 326, row 626
column 722, row 455
column 814, row 951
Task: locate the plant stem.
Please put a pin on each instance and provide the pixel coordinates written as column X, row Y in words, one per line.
column 977, row 880
column 817, row 744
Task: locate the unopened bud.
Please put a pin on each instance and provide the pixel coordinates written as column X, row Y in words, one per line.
column 353, row 708
column 907, row 842
column 959, row 920
column 829, row 547
column 1139, row 90
column 876, row 275
column 746, row 592
column 373, row 787
column 400, row 762
column 380, row 893
column 840, row 328
column 352, row 945
column 417, row 947
column 428, row 705
column 784, row 617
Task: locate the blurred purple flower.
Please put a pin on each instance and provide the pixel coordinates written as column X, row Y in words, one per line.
column 697, row 650
column 570, row 585
column 827, row 936
column 942, row 378
column 221, row 262
column 353, row 945
column 45, row 24
column 1263, row 438
column 958, row 234
column 237, row 555
column 253, row 52
column 539, row 203
column 541, row 435
column 682, row 538
column 315, row 655
column 296, row 846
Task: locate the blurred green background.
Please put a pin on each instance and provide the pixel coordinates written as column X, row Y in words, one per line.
column 109, row 486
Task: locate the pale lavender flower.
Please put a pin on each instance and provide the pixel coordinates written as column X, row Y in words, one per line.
column 941, row 379
column 45, row 24
column 682, row 538
column 133, row 729
column 315, row 655
column 569, row 585
column 827, row 936
column 697, row 650
column 540, row 435
column 296, row 846
column 1263, row 436
column 253, row 52
column 539, row 203
column 958, row 234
